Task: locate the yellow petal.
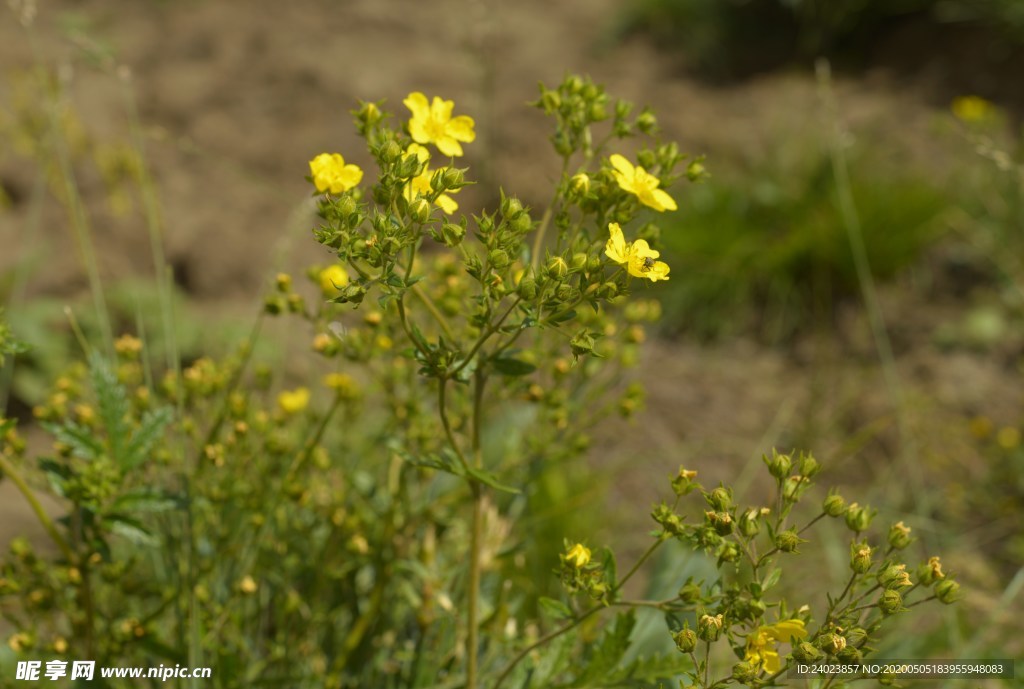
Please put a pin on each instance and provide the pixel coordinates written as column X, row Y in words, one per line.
column 418, row 131
column 659, row 271
column 447, row 204
column 448, row 146
column 417, row 103
column 664, row 200
column 622, row 165
column 616, row 248
column 771, row 661
column 441, row 110
column 350, row 176
column 461, row 128
column 421, row 152
column 643, row 250
column 786, row 630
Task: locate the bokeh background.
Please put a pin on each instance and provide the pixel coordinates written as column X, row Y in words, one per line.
column 901, row 367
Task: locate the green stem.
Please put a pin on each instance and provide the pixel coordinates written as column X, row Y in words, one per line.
column 483, row 338
column 476, row 536
column 8, row 469
column 545, row 221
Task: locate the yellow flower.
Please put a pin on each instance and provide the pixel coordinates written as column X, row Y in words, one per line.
column 330, row 173
column 972, row 109
column 644, row 185
column 293, row 401
column 432, row 123
column 578, row 556
column 248, row 585
column 332, row 279
column 421, row 183
column 1008, row 438
column 637, row 256
column 761, row 644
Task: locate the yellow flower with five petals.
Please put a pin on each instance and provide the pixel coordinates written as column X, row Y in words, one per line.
column 432, row 123
column 330, row 173
column 420, row 184
column 641, row 183
column 637, row 256
column 761, row 643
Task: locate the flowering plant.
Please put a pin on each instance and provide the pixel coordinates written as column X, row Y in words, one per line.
column 372, row 529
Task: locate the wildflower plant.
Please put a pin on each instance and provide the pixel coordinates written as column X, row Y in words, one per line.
column 366, row 527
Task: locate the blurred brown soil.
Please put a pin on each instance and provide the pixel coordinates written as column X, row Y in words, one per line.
column 235, row 98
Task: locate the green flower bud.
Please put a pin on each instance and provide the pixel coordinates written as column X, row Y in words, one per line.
column 749, row 523
column 646, row 122
column 557, row 268
column 579, row 185
column 743, row 672
column 850, row 654
column 369, row 114
column 788, row 541
column 803, row 652
column 856, row 637
column 689, row 592
column 597, row 112
column 709, row 627
column 345, row 205
column 793, row 487
column 511, row 207
column 454, row 178
column 834, row 505
column 667, row 519
column 947, row 591
column 721, row 522
column 858, row 518
column 573, row 84
column 778, row 465
column 683, row 482
column 930, row 572
column 860, row 557
column 686, row 639
column 831, row 643
column 550, row 101
column 809, row 466
column 274, row 304
column 390, row 152
column 891, row 602
column 527, row 288
column 498, row 258
column 696, row 172
column 728, row 552
column 419, row 210
column 608, row 290
column 451, row 234
column 720, row 498
column 578, row 262
column 899, row 536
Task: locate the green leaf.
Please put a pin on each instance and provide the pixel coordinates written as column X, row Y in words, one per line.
column 490, row 480
column 510, row 366
column 81, row 440
column 130, row 529
column 112, row 401
column 771, row 580
column 562, row 317
column 149, row 432
column 146, row 500
column 554, row 609
column 608, row 652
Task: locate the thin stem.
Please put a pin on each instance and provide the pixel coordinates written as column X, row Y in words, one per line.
column 483, row 338
column 8, row 470
column 545, row 221
column 442, row 384
column 476, row 536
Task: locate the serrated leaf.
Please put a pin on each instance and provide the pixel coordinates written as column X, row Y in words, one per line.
column 489, row 479
column 149, row 432
column 112, row 401
column 554, row 609
column 81, row 440
column 510, row 366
